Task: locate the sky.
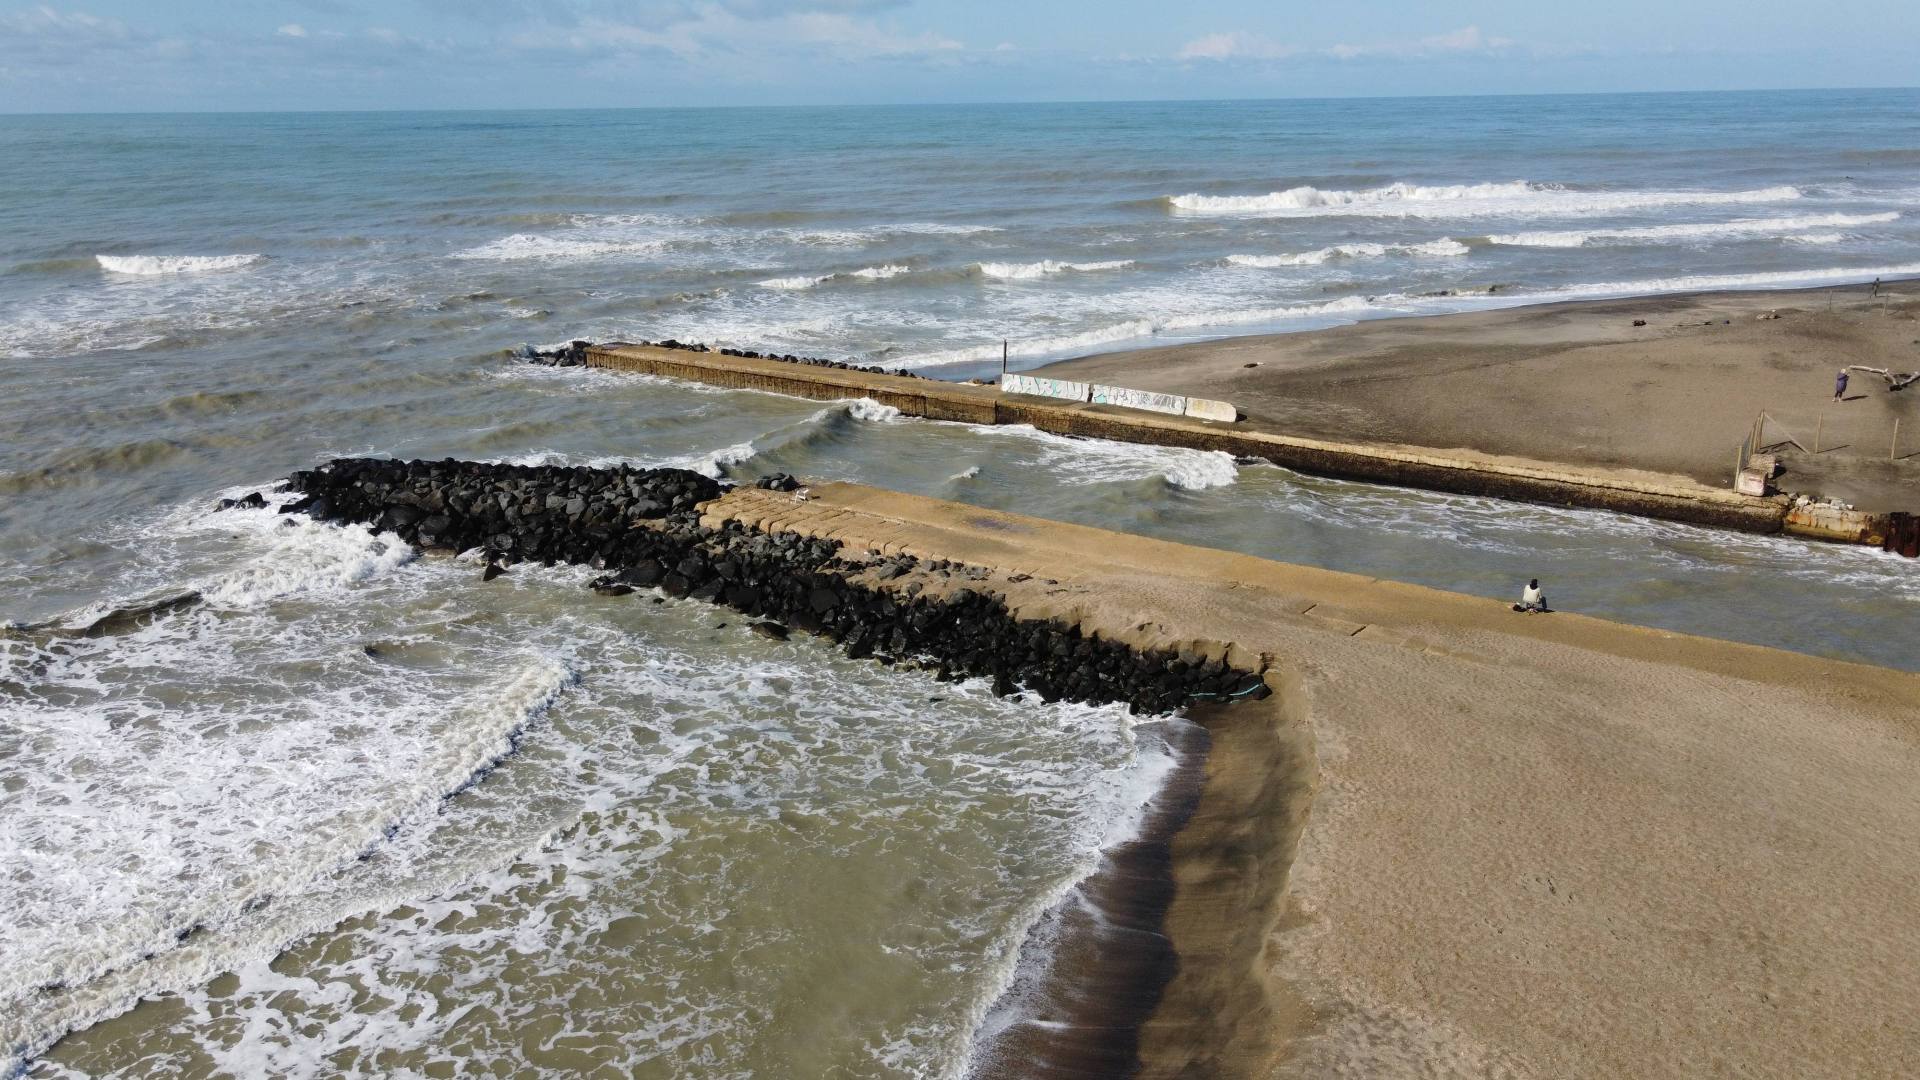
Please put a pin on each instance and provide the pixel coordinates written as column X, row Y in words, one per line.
column 193, row 55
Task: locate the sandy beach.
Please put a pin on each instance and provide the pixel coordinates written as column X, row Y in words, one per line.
column 1544, row 846
column 1580, row 384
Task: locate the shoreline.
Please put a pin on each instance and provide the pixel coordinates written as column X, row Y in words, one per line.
column 1224, row 1014
column 1095, row 966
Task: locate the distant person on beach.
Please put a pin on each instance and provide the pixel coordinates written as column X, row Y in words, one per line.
column 1531, row 598
column 1840, row 385
column 1876, row 288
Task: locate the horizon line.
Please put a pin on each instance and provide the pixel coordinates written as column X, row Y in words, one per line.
column 957, row 104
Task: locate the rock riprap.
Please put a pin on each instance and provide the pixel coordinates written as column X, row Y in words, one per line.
column 644, row 528
column 574, row 354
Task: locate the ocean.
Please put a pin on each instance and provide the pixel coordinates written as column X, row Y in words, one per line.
column 362, row 814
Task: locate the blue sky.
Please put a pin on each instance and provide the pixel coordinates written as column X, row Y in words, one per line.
column 93, row 55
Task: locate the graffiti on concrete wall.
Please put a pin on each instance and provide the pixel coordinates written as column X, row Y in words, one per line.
column 1053, row 388
column 1139, row 399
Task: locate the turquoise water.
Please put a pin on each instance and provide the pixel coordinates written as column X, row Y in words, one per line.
column 192, row 306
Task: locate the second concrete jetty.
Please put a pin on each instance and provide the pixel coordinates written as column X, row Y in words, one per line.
column 1672, row 498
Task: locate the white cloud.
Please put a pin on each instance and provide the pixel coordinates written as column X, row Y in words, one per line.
column 1240, row 45
column 863, row 37
column 1467, row 39
column 293, row 30
column 47, row 22
column 643, row 14
column 1234, row 46
column 721, row 29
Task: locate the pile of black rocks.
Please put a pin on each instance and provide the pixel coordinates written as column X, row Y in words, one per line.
column 515, row 513
column 810, row 361
column 553, row 514
column 574, row 354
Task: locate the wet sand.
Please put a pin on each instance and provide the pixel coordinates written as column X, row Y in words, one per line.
column 1526, row 846
column 1108, row 952
column 1577, row 384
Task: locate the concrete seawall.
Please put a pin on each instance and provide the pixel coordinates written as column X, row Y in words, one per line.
column 1460, row 472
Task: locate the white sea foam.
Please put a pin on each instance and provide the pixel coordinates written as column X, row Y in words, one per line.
column 1442, row 248
column 863, row 237
column 346, row 789
column 1125, row 805
column 715, row 464
column 1517, row 198
column 1043, row 346
column 1134, row 329
column 149, row 265
column 1711, row 230
column 808, row 281
column 295, row 554
column 1767, row 280
column 222, row 778
column 1102, row 461
column 559, row 248
column 796, row 282
column 1045, row 267
column 936, row 228
column 872, row 411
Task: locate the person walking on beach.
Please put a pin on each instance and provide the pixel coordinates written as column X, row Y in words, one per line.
column 1876, row 288
column 1840, row 385
column 1531, row 598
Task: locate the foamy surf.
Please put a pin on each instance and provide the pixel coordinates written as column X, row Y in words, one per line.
column 1517, row 198
column 155, row 265
column 1100, row 461
column 1002, row 271
column 228, row 806
column 1142, row 329
column 809, row 281
column 1789, row 228
column 1442, row 248
column 1707, row 282
column 559, row 248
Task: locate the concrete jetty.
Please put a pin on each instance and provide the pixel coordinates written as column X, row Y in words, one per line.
column 1671, row 498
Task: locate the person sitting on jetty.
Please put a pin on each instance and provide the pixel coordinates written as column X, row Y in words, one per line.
column 1531, row 598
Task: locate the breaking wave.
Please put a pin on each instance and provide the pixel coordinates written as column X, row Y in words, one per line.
column 150, row 265
column 1072, row 460
column 537, row 246
column 1133, row 329
column 869, row 273
column 1442, row 248
column 1030, row 271
column 1744, row 227
column 1838, row 275
column 821, row 427
column 1518, row 198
